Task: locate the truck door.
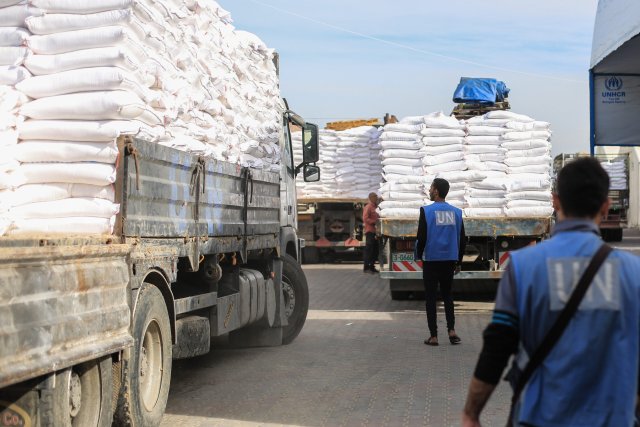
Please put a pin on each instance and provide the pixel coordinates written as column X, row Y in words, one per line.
column 288, row 185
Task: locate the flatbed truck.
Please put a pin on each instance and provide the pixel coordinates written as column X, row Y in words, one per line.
column 489, row 241
column 332, row 228
column 202, row 248
column 616, row 219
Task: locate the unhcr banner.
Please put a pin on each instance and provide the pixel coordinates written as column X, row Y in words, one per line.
column 616, row 109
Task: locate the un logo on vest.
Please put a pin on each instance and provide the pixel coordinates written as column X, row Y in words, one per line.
column 445, row 218
column 613, row 83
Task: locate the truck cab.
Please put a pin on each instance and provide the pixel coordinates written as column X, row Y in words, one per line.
column 617, row 165
column 292, row 243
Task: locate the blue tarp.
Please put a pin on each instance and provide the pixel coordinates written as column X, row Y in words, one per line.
column 483, row 91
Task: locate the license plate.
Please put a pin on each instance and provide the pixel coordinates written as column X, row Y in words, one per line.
column 402, row 256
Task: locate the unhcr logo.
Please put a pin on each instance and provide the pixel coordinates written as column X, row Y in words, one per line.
column 613, row 86
column 613, row 83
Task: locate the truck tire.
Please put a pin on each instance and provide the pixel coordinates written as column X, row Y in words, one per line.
column 328, row 256
column 148, row 371
column 296, row 298
column 400, row 295
column 310, row 255
column 83, row 395
column 616, row 235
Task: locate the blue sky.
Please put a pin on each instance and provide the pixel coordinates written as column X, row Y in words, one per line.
column 361, row 59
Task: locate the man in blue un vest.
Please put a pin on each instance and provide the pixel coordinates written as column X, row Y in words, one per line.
column 440, row 244
column 590, row 375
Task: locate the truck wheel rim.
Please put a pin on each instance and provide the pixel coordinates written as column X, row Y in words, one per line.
column 84, row 395
column 75, row 394
column 151, row 365
column 289, row 296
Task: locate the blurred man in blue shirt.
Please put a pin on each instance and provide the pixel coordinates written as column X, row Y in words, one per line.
column 590, row 377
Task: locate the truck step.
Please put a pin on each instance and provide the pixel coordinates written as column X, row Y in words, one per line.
column 194, row 337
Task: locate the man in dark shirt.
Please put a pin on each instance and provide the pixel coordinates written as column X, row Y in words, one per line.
column 440, row 244
column 370, row 218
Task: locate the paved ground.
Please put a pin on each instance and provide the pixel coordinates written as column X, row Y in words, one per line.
column 359, row 361
column 631, row 241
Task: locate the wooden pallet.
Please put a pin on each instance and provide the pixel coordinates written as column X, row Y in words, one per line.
column 468, row 110
column 350, row 124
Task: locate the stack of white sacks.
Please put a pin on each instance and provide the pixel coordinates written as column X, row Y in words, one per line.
column 13, row 40
column 359, row 150
column 10, row 100
column 349, row 162
column 497, row 165
column 331, row 165
column 172, row 72
column 374, row 169
column 375, row 162
column 528, row 158
column 402, row 155
column 484, row 153
column 13, row 52
column 443, row 138
column 515, row 156
column 617, row 171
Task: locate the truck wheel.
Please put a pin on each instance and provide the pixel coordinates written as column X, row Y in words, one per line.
column 328, row 256
column 616, row 235
column 296, row 298
column 83, row 395
column 148, row 374
column 310, row 255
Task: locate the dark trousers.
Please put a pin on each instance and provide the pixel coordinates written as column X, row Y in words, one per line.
column 434, row 273
column 370, row 251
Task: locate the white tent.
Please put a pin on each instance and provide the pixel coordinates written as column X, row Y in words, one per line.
column 615, row 74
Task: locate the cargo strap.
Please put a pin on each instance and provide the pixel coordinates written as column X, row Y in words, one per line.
column 248, row 199
column 131, row 150
column 198, row 181
column 197, row 177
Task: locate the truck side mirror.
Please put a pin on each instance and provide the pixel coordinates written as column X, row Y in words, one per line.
column 311, row 173
column 310, row 150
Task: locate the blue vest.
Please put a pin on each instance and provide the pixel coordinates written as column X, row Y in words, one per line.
column 444, row 223
column 590, row 378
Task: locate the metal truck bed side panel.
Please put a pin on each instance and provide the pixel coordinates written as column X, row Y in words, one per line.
column 478, row 227
column 417, row 275
column 159, row 198
column 332, row 200
column 173, row 194
column 61, row 305
column 263, row 215
column 222, row 203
